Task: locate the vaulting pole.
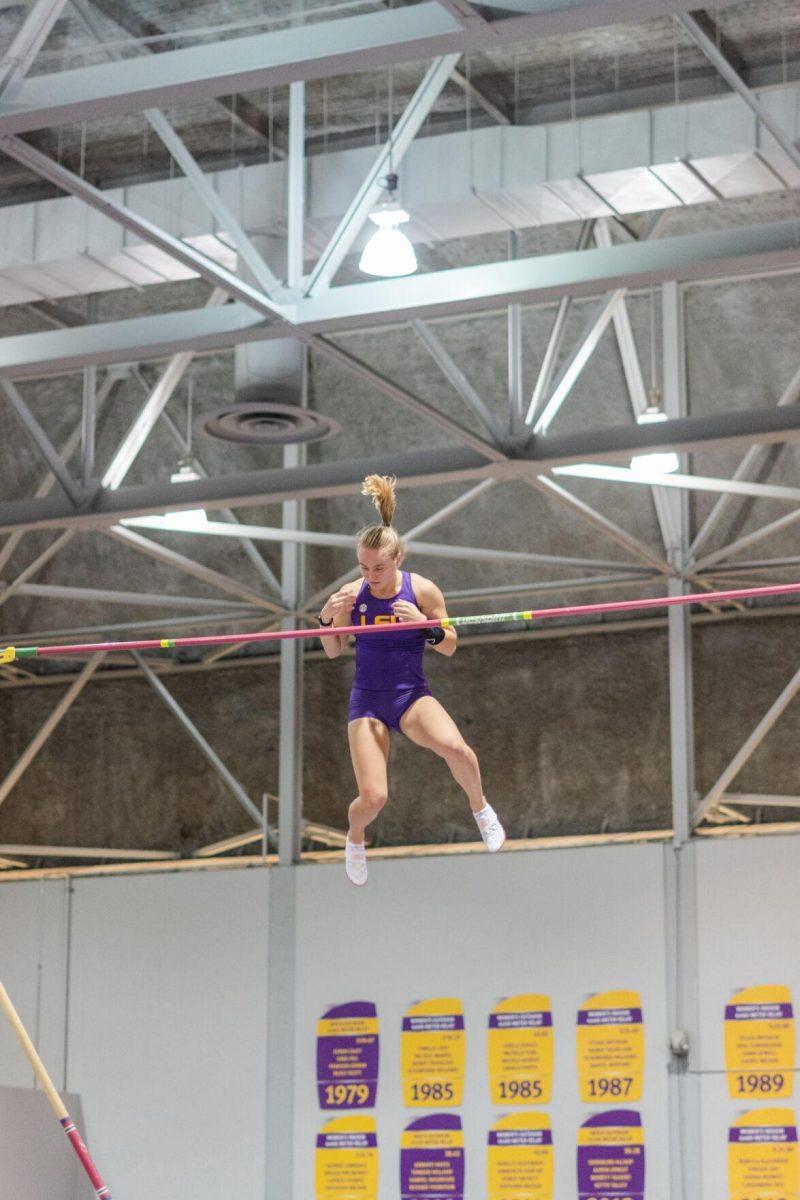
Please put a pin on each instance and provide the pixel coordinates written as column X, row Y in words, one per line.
column 11, row 653
column 56, row 1103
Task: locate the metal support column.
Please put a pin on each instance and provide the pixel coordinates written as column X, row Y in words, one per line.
column 290, row 756
column 290, row 761
column 281, row 987
column 681, row 903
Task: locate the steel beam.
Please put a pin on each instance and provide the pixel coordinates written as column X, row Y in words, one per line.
column 88, row 425
column 133, row 340
column 596, row 324
column 713, row 255
column 200, row 571
column 42, row 442
column 415, row 404
column 547, row 368
column 726, row 553
column 18, row 59
column 749, row 800
column 638, row 549
column 719, row 254
column 193, row 173
column 290, row 745
column 715, row 794
column 413, row 468
column 228, row 221
column 388, row 158
column 680, row 482
column 152, row 409
column 227, row 514
column 637, row 392
column 313, row 51
column 681, row 689
column 65, row 453
column 208, row 752
column 16, row 585
column 102, row 202
column 472, row 92
column 295, row 535
column 296, row 181
column 166, row 625
column 88, row 595
column 735, row 81
column 458, row 380
column 516, row 402
column 90, row 852
column 35, row 745
column 746, row 467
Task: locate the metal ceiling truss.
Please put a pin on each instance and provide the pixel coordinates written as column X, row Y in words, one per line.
column 309, row 308
column 420, row 468
column 312, row 51
column 715, row 255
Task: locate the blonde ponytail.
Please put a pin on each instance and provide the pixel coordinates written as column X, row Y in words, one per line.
column 382, row 490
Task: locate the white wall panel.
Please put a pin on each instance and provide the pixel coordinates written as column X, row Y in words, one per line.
column 33, row 967
column 167, row 1031
column 748, row 893
column 567, row 923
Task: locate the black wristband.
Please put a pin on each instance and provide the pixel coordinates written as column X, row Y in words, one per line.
column 435, row 636
column 324, row 623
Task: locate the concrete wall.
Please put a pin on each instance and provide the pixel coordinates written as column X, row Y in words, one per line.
column 164, row 1025
column 572, row 735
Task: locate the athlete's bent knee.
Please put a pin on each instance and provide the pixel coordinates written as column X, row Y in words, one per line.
column 458, row 752
column 374, row 798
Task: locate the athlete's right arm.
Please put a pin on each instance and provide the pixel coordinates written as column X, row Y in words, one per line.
column 338, row 607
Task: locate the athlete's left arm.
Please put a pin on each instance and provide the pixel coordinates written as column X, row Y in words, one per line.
column 431, row 606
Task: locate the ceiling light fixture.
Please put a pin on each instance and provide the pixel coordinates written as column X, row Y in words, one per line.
column 389, row 252
column 666, row 463
column 185, row 520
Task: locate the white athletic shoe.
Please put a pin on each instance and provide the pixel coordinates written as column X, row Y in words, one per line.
column 355, row 862
column 492, row 831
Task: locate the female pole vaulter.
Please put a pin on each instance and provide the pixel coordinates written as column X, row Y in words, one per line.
column 390, row 691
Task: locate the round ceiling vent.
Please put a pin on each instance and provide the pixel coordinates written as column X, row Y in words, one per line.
column 264, row 423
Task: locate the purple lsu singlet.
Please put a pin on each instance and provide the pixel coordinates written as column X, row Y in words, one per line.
column 387, row 661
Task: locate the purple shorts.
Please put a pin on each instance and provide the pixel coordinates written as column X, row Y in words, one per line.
column 387, row 707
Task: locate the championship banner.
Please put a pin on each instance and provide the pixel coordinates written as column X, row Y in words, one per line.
column 610, row 1047
column 520, row 1158
column 433, row 1054
column 346, row 1165
column 520, row 1050
column 762, row 1156
column 759, row 1043
column 611, row 1157
column 347, row 1056
column 432, row 1159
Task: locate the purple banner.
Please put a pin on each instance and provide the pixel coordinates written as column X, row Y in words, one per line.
column 609, row 1016
column 347, row 1063
column 433, row 1022
column 431, row 1172
column 607, row 1172
column 520, row 1137
column 520, row 1020
column 758, row 1012
column 763, row 1133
